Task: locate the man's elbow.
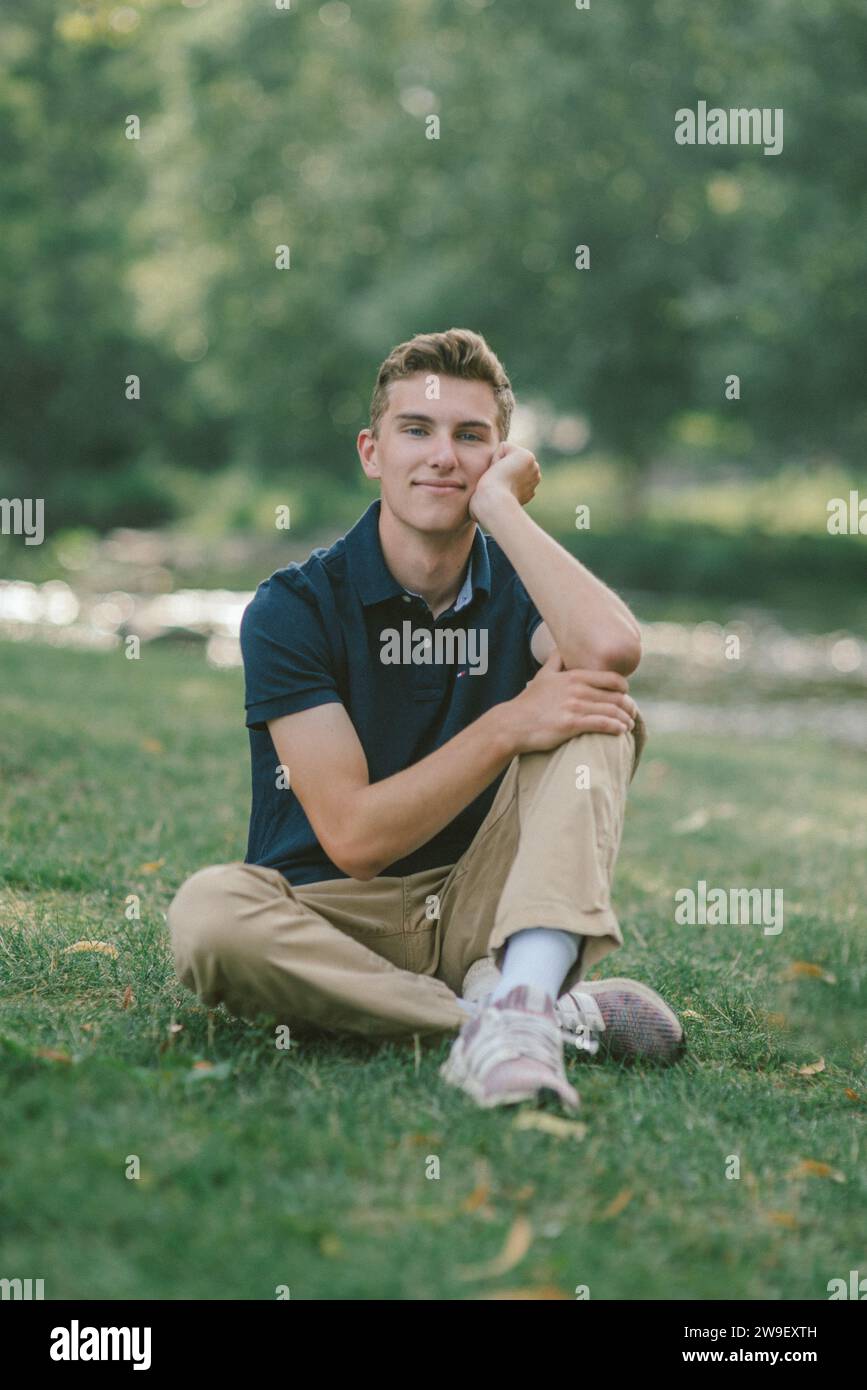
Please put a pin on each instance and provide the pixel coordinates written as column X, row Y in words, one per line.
column 624, row 658
column 364, row 872
column 354, row 861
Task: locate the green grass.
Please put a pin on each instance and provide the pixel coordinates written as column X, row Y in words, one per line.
column 307, row 1168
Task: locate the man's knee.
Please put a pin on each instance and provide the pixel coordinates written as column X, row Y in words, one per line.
column 203, row 914
column 596, row 758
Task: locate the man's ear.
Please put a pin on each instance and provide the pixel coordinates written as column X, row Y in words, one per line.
column 365, row 444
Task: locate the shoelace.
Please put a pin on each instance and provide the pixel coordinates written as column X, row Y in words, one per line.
column 580, row 1014
column 522, row 1036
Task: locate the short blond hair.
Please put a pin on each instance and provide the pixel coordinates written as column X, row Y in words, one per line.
column 459, row 352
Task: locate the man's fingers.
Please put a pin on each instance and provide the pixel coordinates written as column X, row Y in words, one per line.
column 600, row 680
column 605, row 696
column 616, row 697
column 608, row 711
column 601, row 724
column 604, row 680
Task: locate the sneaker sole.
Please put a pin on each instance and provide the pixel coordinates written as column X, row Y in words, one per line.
column 545, row 1095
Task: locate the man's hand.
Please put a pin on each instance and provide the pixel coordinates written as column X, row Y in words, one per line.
column 558, row 704
column 512, row 472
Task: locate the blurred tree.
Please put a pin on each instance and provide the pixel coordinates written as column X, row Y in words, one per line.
column 307, row 128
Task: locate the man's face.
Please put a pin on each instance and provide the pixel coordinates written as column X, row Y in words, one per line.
column 431, row 453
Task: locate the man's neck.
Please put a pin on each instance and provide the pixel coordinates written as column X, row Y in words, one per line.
column 433, row 566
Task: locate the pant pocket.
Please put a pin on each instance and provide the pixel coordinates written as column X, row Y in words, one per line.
column 422, row 949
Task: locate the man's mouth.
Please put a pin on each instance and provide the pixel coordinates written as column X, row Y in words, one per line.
column 439, row 487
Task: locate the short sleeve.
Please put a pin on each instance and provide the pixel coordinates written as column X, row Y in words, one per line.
column 288, row 665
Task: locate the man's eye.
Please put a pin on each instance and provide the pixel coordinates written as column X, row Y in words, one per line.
column 469, row 433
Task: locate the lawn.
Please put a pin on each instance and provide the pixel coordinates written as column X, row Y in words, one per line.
column 307, row 1168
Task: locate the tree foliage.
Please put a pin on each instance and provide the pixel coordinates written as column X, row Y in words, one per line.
column 308, row 127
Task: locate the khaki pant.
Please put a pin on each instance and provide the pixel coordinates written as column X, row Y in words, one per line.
column 387, row 957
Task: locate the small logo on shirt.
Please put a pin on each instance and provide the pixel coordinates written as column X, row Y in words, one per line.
column 446, row 646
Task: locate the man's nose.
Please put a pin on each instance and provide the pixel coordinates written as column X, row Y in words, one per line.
column 443, row 453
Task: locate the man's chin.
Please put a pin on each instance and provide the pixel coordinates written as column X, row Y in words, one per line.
column 442, row 528
column 437, row 512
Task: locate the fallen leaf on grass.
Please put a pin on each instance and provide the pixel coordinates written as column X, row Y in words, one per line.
column 151, row 866
column 52, row 1055
column 782, row 1218
column 476, row 1199
column 518, row 1242
column 209, row 1071
column 128, row 998
column 104, row 947
column 813, row 1168
column 690, row 1013
column 152, row 745
column 811, row 1068
column 850, row 1094
column 551, row 1124
column 546, row 1291
column 804, row 969
column 419, row 1140
column 617, row 1204
column 796, row 968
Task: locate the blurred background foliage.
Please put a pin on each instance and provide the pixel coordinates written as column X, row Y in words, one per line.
column 307, row 127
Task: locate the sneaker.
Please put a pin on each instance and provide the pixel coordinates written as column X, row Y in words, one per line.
column 480, row 981
column 636, row 1023
column 619, row 1019
column 511, row 1051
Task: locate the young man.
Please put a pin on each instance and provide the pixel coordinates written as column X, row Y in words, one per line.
column 442, row 739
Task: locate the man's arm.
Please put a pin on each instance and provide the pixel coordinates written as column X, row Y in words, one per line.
column 363, row 827
column 592, row 628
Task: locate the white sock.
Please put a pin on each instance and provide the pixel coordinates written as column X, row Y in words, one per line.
column 540, row 956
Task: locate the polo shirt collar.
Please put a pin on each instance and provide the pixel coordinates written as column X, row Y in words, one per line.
column 375, row 582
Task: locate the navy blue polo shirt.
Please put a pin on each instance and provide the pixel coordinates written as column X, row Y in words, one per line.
column 341, row 629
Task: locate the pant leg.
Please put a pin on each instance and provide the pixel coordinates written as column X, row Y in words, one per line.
column 544, row 856
column 332, row 955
